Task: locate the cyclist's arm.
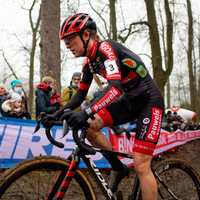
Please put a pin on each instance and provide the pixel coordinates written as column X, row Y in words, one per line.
column 114, row 88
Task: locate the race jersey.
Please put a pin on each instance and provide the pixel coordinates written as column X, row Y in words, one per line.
column 124, row 71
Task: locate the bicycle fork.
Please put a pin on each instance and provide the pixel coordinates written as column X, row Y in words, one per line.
column 65, row 177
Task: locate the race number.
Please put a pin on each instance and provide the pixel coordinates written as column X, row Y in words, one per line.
column 111, row 67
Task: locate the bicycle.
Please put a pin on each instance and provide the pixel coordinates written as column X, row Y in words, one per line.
column 51, row 177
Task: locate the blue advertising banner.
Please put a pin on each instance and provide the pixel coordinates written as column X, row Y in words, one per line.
column 18, row 143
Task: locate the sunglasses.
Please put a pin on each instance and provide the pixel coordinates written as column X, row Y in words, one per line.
column 68, row 40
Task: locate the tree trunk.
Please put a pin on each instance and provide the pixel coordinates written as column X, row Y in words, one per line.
column 32, row 55
column 50, row 43
column 189, row 56
column 113, row 22
column 160, row 76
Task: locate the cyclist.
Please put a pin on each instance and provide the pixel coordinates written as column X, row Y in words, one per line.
column 127, row 77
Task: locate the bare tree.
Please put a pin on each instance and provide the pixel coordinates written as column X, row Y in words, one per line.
column 32, row 55
column 189, row 56
column 50, row 43
column 113, row 22
column 159, row 74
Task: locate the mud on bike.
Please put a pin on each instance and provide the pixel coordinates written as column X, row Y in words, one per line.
column 53, row 177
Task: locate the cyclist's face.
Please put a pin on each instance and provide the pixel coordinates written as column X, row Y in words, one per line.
column 75, row 45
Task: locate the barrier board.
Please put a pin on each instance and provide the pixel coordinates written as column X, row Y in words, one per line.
column 18, row 143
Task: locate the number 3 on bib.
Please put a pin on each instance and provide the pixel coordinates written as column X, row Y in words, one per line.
column 111, row 67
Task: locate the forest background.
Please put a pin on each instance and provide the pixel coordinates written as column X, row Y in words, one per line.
column 164, row 33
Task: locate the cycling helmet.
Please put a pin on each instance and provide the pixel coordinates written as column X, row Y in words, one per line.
column 77, row 23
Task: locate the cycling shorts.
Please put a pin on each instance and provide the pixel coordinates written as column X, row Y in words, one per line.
column 148, row 113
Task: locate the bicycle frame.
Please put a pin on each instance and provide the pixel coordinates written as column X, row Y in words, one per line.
column 66, row 177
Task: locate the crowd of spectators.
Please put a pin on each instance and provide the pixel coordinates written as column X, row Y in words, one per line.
column 172, row 121
column 13, row 103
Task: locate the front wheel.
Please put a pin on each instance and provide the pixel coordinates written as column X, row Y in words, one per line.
column 181, row 179
column 33, row 179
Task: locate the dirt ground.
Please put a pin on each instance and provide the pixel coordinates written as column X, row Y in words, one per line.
column 189, row 152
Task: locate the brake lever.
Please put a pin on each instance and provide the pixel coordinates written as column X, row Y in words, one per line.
column 38, row 120
column 65, row 129
column 37, row 127
column 65, row 125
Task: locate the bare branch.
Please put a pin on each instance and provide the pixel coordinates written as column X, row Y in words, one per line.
column 100, row 17
column 22, row 44
column 130, row 32
column 11, row 69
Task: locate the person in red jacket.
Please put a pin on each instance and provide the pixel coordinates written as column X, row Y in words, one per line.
column 55, row 97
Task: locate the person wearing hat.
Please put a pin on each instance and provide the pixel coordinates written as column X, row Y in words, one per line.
column 16, row 87
column 13, row 107
column 71, row 90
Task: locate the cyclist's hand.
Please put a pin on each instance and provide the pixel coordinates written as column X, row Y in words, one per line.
column 75, row 119
column 49, row 119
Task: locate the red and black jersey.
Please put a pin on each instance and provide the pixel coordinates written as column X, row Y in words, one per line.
column 124, row 71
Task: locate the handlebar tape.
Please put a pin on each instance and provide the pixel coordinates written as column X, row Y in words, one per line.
column 51, row 139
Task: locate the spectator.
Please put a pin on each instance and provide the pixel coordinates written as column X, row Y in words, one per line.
column 16, row 87
column 55, row 97
column 3, row 92
column 95, row 95
column 172, row 123
column 198, row 127
column 169, row 121
column 71, row 90
column 191, row 126
column 195, row 125
column 43, row 101
column 178, row 121
column 13, row 107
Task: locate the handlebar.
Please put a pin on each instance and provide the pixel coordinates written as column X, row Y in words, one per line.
column 86, row 148
column 78, row 140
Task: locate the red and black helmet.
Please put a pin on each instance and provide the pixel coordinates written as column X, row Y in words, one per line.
column 76, row 23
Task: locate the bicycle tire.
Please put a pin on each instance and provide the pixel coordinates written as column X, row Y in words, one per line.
column 180, row 178
column 33, row 179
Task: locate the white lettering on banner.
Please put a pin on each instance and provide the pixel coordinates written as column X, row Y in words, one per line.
column 162, row 140
column 171, row 138
column 191, row 134
column 25, row 143
column 122, row 145
column 179, row 136
column 8, row 141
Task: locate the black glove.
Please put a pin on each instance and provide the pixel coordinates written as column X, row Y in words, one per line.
column 57, row 105
column 77, row 119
